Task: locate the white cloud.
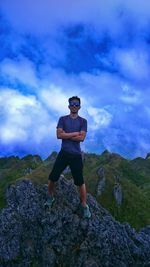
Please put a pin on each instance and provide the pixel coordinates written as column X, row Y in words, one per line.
column 99, row 118
column 43, row 17
column 22, row 70
column 102, row 88
column 24, row 119
column 54, row 98
column 36, row 16
column 130, row 95
column 133, row 64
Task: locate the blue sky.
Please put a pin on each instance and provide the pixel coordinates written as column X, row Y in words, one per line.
column 97, row 50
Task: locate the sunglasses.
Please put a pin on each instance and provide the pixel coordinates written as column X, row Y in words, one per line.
column 72, row 104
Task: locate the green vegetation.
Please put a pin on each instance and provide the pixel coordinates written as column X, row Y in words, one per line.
column 135, row 207
column 12, row 168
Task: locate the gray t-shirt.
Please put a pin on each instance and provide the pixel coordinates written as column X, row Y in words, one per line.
column 70, row 125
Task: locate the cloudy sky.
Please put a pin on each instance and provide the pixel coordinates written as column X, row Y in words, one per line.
column 98, row 50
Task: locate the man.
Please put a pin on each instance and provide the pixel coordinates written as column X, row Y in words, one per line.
column 72, row 130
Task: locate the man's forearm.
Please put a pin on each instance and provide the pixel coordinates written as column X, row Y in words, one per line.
column 64, row 135
column 77, row 138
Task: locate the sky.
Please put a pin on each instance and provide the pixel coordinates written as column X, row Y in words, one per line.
column 98, row 50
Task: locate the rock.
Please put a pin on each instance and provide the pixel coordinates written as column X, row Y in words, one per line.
column 32, row 236
column 102, row 181
column 67, row 170
column 27, row 171
column 117, row 190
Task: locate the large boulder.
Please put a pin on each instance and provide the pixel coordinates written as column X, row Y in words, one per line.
column 33, row 236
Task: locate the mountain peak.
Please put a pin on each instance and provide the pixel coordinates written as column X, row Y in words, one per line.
column 30, row 235
column 111, row 156
column 148, row 156
column 105, row 152
column 34, row 158
column 51, row 157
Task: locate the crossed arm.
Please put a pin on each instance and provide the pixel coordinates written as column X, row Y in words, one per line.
column 74, row 136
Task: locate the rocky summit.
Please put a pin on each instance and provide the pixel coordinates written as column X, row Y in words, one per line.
column 31, row 236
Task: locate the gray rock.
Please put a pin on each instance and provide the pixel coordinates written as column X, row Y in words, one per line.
column 67, row 170
column 33, row 236
column 102, row 181
column 117, row 190
column 27, row 171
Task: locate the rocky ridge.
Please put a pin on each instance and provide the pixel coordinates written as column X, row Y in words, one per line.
column 33, row 236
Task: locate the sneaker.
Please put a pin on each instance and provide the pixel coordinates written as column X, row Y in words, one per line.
column 85, row 211
column 49, row 202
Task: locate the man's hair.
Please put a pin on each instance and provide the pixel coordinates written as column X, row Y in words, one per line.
column 74, row 97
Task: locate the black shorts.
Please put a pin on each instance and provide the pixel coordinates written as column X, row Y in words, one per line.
column 74, row 161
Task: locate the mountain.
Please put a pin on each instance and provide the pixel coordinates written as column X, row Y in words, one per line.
column 122, row 182
column 120, row 185
column 142, row 166
column 35, row 237
column 12, row 168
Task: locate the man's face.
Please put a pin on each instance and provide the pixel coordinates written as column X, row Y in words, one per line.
column 74, row 106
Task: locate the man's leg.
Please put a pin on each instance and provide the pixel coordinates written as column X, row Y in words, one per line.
column 76, row 166
column 59, row 165
column 84, row 208
column 82, row 190
column 51, row 186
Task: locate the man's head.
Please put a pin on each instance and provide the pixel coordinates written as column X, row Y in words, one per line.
column 74, row 104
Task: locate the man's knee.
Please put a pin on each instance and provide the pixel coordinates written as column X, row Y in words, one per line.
column 53, row 178
column 54, row 174
column 79, row 182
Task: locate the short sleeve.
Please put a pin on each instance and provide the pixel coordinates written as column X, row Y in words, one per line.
column 84, row 125
column 60, row 123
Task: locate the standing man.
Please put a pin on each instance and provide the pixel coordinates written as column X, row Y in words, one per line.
column 72, row 130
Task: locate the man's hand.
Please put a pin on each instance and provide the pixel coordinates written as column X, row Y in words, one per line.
column 80, row 137
column 61, row 134
column 74, row 136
